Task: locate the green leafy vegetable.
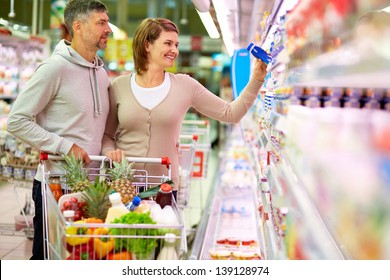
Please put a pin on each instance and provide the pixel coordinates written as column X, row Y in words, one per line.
column 138, row 241
column 153, row 191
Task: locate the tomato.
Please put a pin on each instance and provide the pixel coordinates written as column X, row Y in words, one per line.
column 77, row 215
column 74, row 199
column 66, row 205
column 81, row 204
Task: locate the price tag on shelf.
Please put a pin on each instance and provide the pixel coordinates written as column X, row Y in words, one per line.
column 271, row 178
column 264, row 140
column 273, row 118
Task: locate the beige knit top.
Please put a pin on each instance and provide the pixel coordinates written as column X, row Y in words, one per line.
column 141, row 132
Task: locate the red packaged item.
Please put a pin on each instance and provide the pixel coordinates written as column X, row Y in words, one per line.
column 164, row 195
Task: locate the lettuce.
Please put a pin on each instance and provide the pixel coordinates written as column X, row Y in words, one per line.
column 139, row 241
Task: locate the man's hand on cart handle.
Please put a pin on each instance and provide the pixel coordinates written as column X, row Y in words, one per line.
column 80, row 153
column 116, row 155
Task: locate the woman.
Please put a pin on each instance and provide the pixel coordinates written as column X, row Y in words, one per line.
column 148, row 106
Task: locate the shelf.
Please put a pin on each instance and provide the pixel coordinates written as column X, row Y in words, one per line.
column 344, row 67
column 233, row 214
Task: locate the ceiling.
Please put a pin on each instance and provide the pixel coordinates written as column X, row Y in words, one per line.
column 242, row 19
column 238, row 21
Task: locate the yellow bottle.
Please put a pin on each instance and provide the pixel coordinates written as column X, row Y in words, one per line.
column 117, row 208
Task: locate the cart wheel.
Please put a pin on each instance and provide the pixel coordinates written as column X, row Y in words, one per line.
column 30, row 233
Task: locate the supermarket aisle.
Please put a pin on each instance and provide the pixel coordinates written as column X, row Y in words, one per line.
column 14, row 245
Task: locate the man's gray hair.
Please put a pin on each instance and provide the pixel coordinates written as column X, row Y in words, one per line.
column 81, row 10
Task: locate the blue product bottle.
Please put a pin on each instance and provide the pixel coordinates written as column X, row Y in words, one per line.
column 134, row 203
column 259, row 53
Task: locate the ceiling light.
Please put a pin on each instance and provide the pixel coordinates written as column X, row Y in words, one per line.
column 202, row 5
column 209, row 24
column 227, row 35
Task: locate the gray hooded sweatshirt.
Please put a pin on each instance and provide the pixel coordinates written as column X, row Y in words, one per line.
column 65, row 101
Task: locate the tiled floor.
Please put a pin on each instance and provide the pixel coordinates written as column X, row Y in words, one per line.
column 14, row 245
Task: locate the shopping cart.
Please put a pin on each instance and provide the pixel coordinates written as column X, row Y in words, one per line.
column 143, row 241
column 201, row 128
column 18, row 165
column 186, row 151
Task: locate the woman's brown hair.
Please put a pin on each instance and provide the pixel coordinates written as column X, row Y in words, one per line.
column 148, row 31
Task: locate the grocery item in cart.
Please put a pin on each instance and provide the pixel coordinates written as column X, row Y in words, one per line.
column 164, row 195
column 69, row 216
column 134, row 203
column 102, row 244
column 152, row 192
column 140, row 241
column 117, row 209
column 145, row 206
column 76, row 175
column 72, row 202
column 168, row 251
column 121, row 180
column 96, row 198
column 55, row 186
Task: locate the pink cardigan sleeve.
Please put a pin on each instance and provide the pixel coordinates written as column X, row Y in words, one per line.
column 221, row 110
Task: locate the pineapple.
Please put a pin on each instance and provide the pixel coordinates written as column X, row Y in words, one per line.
column 96, row 199
column 121, row 180
column 77, row 176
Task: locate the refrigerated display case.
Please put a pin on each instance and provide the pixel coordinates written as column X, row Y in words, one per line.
column 233, row 227
column 322, row 119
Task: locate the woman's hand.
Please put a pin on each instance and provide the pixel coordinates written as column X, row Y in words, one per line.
column 116, row 155
column 259, row 70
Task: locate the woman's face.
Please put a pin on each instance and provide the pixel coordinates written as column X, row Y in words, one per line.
column 163, row 51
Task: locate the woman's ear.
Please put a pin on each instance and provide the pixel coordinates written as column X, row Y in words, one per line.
column 147, row 46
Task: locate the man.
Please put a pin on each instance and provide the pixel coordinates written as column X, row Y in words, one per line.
column 63, row 108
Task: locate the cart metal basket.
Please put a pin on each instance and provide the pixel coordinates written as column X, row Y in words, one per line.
column 75, row 240
column 186, row 149
column 201, row 128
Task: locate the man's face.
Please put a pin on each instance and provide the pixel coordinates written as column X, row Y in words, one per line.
column 96, row 30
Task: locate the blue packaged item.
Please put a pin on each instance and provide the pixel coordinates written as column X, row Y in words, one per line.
column 259, row 53
column 134, row 203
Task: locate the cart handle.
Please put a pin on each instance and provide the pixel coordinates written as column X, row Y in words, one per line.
column 188, row 136
column 163, row 160
column 197, row 122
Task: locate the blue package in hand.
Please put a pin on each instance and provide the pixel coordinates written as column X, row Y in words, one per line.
column 259, row 53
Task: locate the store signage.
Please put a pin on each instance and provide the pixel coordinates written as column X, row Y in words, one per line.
column 196, row 43
column 199, row 43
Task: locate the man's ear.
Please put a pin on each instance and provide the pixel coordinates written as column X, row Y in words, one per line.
column 76, row 26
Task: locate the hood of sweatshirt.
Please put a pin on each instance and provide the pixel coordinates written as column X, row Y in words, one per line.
column 65, row 50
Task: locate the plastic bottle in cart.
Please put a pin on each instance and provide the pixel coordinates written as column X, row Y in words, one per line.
column 145, row 206
column 168, row 252
column 131, row 206
column 117, row 208
column 164, row 195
